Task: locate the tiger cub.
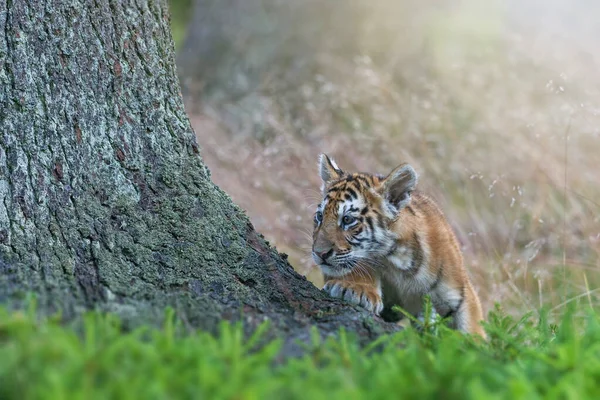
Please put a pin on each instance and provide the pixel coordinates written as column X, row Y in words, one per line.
column 381, row 243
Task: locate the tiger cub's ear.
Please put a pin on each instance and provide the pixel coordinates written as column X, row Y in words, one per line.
column 328, row 170
column 398, row 186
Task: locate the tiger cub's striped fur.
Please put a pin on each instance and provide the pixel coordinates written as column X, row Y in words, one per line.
column 380, row 243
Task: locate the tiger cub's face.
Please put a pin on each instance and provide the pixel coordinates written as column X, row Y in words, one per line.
column 351, row 224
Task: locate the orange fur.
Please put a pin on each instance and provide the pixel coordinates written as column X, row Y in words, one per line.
column 376, row 239
column 358, row 286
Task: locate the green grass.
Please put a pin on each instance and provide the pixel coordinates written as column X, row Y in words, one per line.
column 523, row 359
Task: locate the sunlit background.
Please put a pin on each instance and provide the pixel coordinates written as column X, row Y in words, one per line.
column 495, row 103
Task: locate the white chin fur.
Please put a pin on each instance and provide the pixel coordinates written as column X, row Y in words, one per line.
column 334, row 271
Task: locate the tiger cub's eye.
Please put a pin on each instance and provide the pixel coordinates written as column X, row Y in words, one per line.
column 348, row 219
column 318, row 217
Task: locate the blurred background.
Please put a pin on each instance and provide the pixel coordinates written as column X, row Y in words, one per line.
column 496, row 104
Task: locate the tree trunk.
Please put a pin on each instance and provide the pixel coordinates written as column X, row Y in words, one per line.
column 104, row 200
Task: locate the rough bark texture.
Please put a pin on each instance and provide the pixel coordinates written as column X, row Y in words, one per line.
column 104, row 200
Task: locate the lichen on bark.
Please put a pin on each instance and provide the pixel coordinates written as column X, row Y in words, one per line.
column 105, row 202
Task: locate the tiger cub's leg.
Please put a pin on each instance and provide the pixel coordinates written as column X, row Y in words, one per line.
column 360, row 287
column 468, row 315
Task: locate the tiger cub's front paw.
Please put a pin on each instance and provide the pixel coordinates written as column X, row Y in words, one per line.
column 364, row 295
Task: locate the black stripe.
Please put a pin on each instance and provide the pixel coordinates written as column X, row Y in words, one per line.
column 438, row 278
column 364, row 211
column 352, row 193
column 380, row 222
column 370, row 223
column 352, row 209
column 392, row 250
column 356, row 241
column 410, row 210
column 459, row 304
column 457, row 307
column 418, row 256
column 363, row 181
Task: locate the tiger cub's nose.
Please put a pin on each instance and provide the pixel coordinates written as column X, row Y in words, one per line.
column 324, row 255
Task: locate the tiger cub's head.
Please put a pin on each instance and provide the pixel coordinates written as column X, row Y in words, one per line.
column 351, row 224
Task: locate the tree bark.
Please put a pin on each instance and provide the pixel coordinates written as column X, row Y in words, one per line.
column 105, row 202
